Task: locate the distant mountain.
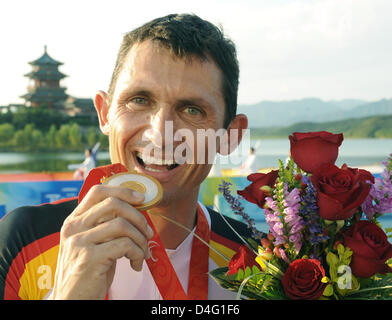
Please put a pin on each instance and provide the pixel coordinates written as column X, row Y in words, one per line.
column 369, row 127
column 383, row 106
column 280, row 113
column 284, row 113
column 348, row 104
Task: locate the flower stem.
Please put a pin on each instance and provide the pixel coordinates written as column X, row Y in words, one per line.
column 332, row 236
column 194, row 234
column 368, row 289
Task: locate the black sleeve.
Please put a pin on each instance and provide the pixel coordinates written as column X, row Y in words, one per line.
column 21, row 227
column 220, row 227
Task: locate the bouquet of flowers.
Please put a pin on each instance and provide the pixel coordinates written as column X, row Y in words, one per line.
column 324, row 240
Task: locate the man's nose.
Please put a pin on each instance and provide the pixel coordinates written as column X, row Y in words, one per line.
column 162, row 126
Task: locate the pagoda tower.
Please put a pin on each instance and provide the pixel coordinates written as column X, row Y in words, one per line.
column 44, row 88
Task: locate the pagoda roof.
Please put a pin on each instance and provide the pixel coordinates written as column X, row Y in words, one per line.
column 45, row 59
column 46, row 94
column 46, row 74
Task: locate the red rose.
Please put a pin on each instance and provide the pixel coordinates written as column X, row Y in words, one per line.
column 253, row 192
column 242, row 259
column 302, row 280
column 340, row 191
column 370, row 248
column 311, row 150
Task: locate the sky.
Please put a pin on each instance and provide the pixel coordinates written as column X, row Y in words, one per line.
column 287, row 49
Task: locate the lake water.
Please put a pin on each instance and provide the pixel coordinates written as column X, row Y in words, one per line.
column 12, row 162
column 354, row 152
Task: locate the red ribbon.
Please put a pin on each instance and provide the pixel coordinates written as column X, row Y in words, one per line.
column 159, row 264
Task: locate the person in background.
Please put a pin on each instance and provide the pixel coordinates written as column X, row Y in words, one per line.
column 250, row 165
column 84, row 168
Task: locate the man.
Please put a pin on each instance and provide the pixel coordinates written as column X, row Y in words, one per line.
column 178, row 69
column 84, row 168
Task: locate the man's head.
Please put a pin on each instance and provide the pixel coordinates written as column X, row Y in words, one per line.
column 188, row 36
column 178, row 82
column 87, row 152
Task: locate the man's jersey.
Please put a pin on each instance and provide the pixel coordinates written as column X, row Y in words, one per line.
column 29, row 246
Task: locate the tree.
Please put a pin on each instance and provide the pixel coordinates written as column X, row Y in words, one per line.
column 36, row 139
column 20, row 118
column 91, row 136
column 51, row 137
column 75, row 136
column 20, row 140
column 28, row 132
column 7, row 131
column 62, row 137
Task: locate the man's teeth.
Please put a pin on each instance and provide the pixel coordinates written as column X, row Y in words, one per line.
column 151, row 160
column 153, row 170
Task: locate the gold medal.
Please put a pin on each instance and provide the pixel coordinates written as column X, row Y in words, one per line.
column 149, row 186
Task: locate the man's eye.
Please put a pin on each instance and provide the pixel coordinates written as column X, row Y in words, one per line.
column 139, row 100
column 192, row 111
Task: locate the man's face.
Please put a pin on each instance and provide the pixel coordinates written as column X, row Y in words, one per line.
column 155, row 89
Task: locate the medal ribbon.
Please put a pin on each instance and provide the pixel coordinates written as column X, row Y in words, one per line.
column 159, row 264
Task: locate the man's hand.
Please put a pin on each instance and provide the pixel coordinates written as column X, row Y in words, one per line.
column 103, row 228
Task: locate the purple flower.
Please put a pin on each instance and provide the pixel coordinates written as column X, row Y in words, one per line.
column 379, row 200
column 283, row 219
column 238, row 209
column 309, row 213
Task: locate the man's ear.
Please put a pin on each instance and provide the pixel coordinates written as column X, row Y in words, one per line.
column 234, row 134
column 102, row 107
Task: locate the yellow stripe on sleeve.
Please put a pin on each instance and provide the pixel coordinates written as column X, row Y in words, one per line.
column 220, row 261
column 38, row 276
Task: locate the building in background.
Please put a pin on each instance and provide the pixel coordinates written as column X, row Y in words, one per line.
column 45, row 90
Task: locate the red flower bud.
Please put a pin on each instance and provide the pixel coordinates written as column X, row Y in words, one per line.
column 335, row 245
column 266, row 243
column 298, row 177
column 270, row 236
column 277, row 253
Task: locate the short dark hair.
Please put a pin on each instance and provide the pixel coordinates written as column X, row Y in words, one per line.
column 188, row 36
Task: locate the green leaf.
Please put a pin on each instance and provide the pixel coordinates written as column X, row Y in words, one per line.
column 255, row 269
column 220, row 277
column 378, row 287
column 328, row 291
column 340, row 249
column 332, row 259
column 248, row 272
column 333, row 273
column 240, row 274
column 347, row 257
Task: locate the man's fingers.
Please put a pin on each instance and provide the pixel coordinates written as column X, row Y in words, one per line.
column 122, row 247
column 116, row 228
column 100, row 192
column 111, row 208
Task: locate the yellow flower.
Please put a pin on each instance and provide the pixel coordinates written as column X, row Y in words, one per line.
column 263, row 255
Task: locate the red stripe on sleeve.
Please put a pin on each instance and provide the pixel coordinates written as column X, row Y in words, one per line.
column 17, row 268
column 225, row 241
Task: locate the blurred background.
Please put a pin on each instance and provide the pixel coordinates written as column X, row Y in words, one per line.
column 306, row 65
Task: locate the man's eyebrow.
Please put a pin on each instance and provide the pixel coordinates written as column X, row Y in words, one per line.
column 197, row 101
column 194, row 101
column 135, row 92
